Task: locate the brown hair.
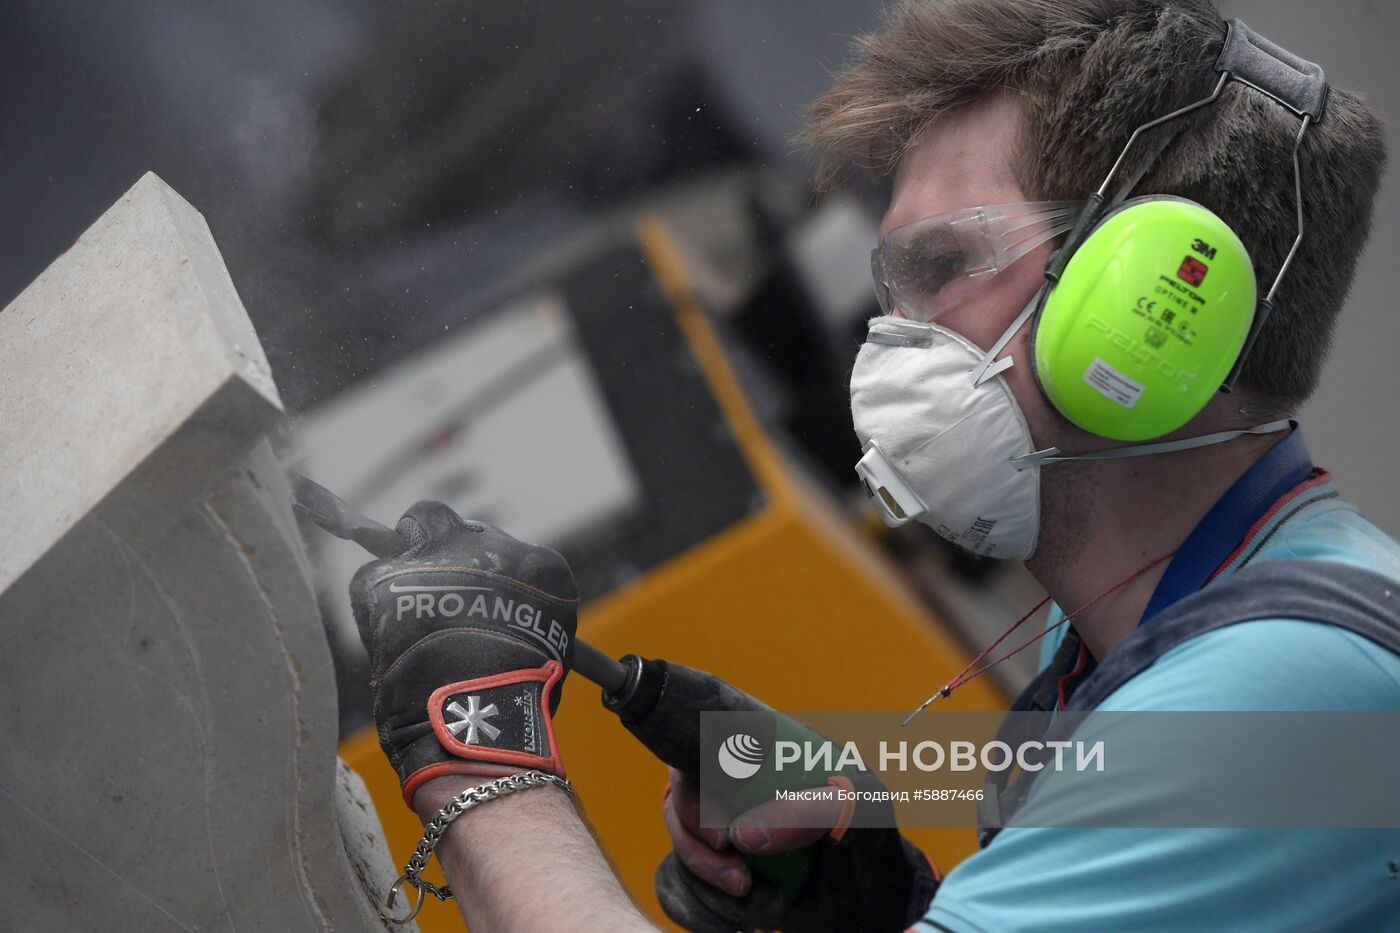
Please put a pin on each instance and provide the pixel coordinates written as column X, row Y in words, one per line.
column 1090, row 71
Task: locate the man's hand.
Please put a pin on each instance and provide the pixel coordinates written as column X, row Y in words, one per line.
column 470, row 635
column 862, row 879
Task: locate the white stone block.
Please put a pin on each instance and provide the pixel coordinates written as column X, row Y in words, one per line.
column 167, row 700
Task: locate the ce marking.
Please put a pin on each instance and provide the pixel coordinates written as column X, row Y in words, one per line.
column 1146, row 304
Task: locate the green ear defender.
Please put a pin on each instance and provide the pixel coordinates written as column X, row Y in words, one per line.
column 1150, row 309
column 1146, row 320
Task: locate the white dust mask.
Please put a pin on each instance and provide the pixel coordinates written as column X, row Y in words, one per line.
column 946, row 443
column 939, row 445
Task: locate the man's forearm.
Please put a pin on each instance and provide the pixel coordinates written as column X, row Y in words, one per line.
column 527, row 862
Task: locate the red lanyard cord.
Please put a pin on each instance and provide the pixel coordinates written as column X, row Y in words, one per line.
column 964, row 676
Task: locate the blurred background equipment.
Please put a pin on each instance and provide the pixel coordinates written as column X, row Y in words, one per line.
column 376, row 171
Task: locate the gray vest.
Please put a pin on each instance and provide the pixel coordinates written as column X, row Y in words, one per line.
column 1356, row 600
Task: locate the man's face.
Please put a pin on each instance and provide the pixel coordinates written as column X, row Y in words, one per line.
column 965, row 161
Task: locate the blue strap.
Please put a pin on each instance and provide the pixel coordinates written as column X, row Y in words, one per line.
column 1359, row 601
column 1230, row 519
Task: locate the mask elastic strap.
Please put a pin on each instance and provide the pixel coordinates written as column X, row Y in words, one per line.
column 987, row 369
column 1052, row 454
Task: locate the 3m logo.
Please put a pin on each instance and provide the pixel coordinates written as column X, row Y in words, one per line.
column 1192, row 271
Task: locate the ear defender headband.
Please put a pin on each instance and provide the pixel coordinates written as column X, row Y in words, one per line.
column 1150, row 307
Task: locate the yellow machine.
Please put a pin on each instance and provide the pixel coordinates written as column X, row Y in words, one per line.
column 791, row 603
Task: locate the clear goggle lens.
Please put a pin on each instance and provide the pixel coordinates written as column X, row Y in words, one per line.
column 926, row 267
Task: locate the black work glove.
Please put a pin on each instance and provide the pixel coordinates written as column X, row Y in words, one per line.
column 862, row 879
column 872, row 881
column 470, row 635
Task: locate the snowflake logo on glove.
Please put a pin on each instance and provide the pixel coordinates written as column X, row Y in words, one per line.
column 472, row 720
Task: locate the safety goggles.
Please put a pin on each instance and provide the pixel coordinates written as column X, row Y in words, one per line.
column 923, row 268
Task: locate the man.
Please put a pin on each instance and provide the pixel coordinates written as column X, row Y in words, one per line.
column 976, row 103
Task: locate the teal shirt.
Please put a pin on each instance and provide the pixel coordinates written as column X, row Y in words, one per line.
column 1236, row 879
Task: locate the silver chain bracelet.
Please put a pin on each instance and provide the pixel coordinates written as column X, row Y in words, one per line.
column 432, row 832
